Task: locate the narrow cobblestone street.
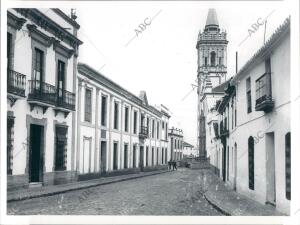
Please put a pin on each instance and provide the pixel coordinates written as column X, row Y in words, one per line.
column 174, row 193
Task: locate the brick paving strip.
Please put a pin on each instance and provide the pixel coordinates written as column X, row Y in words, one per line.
column 58, row 189
column 229, row 202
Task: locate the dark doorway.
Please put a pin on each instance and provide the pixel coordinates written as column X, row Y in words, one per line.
column 251, row 162
column 141, row 157
column 115, row 156
column 125, row 156
column 134, row 156
column 103, row 156
column 224, row 161
column 35, row 157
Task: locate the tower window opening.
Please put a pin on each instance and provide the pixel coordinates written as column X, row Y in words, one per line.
column 205, row 61
column 220, row 61
column 212, row 58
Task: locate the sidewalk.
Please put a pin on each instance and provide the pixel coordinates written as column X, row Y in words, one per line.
column 230, row 202
column 58, row 189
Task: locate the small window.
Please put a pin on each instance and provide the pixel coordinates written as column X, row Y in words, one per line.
column 135, row 122
column 9, row 50
column 213, row 58
column 88, row 105
column 103, row 110
column 248, row 93
column 157, row 130
column 116, row 115
column 153, row 129
column 205, row 61
column 166, row 133
column 126, row 118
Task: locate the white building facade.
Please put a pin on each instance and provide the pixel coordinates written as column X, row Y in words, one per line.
column 117, row 132
column 253, row 137
column 189, row 150
column 176, row 144
column 41, row 76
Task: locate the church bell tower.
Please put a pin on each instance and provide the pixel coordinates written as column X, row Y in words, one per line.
column 212, row 68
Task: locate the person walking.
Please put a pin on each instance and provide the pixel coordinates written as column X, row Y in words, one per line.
column 169, row 165
column 174, row 165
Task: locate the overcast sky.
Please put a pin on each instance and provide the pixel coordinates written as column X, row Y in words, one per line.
column 162, row 60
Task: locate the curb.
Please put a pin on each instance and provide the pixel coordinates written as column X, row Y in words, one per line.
column 217, row 207
column 80, row 188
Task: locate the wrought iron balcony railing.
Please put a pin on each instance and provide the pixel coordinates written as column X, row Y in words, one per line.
column 264, row 101
column 66, row 99
column 223, row 128
column 144, row 132
column 42, row 92
column 16, row 83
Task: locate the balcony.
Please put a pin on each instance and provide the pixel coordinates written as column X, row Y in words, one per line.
column 41, row 94
column 16, row 84
column 223, row 129
column 216, row 130
column 65, row 102
column 143, row 132
column 264, row 101
column 45, row 95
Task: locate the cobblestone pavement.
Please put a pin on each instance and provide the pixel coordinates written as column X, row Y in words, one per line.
column 174, row 193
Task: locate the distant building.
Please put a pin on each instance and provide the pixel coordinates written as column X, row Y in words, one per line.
column 253, row 134
column 176, row 143
column 212, row 69
column 189, row 150
column 117, row 131
column 41, row 77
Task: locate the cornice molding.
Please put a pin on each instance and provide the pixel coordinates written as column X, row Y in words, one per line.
column 14, row 21
column 90, row 73
column 39, row 36
column 49, row 25
column 62, row 50
column 66, row 18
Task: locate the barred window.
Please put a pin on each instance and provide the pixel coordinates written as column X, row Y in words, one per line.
column 60, row 147
column 10, row 139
